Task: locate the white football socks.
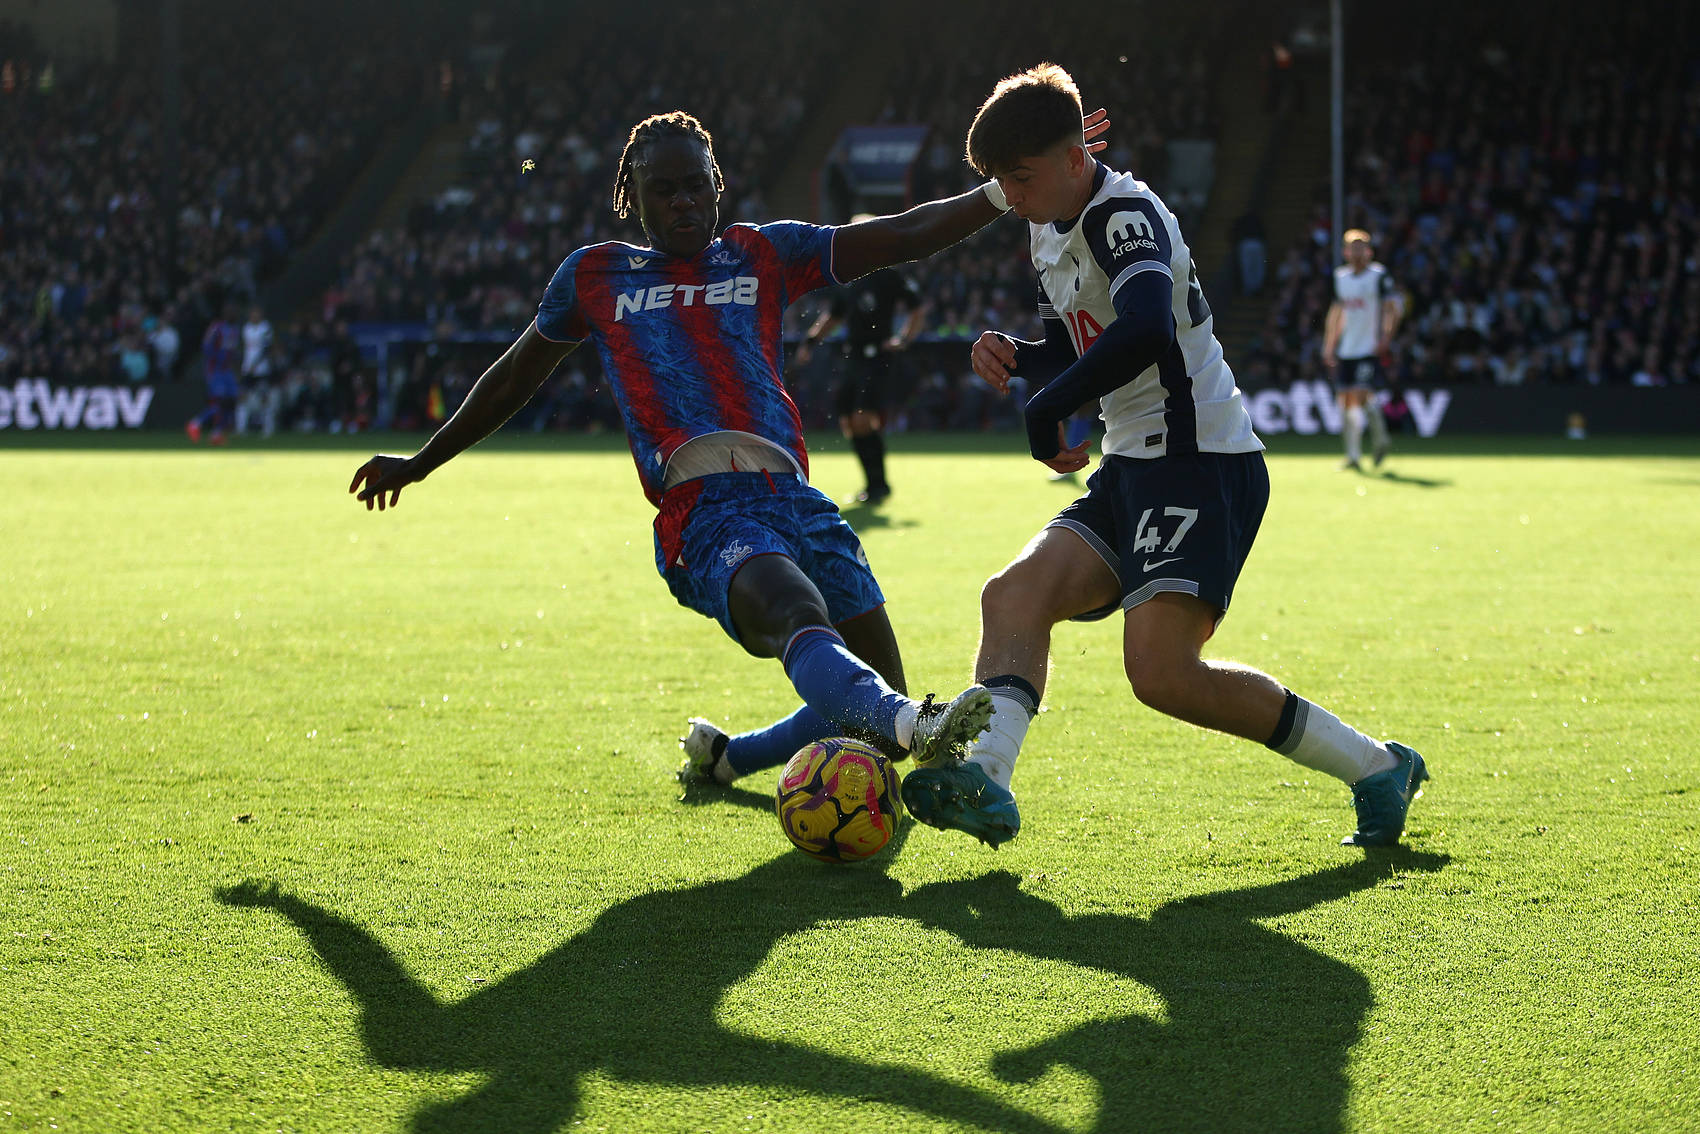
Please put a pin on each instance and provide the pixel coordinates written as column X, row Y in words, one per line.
column 903, row 727
column 724, row 773
column 1377, row 428
column 995, row 749
column 1318, row 739
column 1354, row 432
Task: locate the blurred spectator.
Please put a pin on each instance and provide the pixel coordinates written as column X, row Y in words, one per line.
column 166, row 342
column 1251, row 252
column 279, row 104
column 1538, row 207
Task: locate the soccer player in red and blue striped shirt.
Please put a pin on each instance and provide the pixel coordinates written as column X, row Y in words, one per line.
column 688, row 328
column 221, row 348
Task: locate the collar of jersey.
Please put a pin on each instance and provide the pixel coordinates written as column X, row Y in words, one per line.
column 1062, row 227
column 660, row 254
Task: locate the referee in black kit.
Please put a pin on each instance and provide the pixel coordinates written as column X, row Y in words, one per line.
column 866, row 309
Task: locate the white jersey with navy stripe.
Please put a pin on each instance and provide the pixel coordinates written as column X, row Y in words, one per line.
column 1361, row 295
column 1187, row 402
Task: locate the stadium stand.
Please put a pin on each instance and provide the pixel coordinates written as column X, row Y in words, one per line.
column 277, row 107
column 467, row 268
column 1536, row 206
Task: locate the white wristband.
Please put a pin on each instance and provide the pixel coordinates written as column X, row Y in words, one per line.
column 994, row 194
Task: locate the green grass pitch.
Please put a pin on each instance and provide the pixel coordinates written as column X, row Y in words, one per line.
column 319, row 820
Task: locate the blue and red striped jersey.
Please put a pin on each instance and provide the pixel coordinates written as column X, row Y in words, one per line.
column 220, row 347
column 692, row 346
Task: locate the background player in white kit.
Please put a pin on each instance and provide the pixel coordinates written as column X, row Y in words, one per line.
column 1358, row 330
column 1169, row 516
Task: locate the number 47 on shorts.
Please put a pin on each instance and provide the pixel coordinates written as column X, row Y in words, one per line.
column 1149, row 537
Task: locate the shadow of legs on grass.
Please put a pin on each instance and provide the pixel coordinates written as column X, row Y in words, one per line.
column 1259, row 1026
column 633, row 996
column 1258, row 1033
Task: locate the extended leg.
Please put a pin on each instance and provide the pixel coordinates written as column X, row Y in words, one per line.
column 779, row 613
column 712, row 753
column 1057, row 576
column 1162, row 640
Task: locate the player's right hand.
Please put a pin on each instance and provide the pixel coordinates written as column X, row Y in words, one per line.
column 993, row 358
column 384, row 477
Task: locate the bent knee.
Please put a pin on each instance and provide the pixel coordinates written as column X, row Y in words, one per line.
column 766, row 625
column 1160, row 683
column 1018, row 595
column 1002, row 596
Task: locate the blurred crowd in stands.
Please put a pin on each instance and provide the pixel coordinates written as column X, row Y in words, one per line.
column 108, row 272
column 537, row 177
column 1531, row 185
column 475, row 259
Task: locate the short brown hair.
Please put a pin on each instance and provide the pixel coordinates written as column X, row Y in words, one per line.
column 1027, row 114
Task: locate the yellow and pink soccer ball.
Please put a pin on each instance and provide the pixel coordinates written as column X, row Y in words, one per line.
column 838, row 800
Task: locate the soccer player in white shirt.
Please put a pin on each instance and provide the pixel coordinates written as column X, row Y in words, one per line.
column 256, row 342
column 1169, row 516
column 1358, row 330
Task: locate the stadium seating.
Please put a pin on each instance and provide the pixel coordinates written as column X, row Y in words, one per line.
column 277, row 105
column 1536, row 207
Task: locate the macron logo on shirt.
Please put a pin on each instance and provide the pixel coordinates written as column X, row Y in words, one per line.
column 740, row 290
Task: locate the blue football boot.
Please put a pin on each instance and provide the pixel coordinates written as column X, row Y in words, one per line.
column 953, row 795
column 1383, row 799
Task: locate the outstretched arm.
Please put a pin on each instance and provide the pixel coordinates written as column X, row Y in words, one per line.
column 495, row 397
column 870, row 245
column 858, row 249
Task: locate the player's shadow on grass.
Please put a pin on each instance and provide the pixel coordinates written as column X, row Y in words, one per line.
column 1259, row 1026
column 633, row 997
column 1390, row 477
column 867, row 517
column 709, row 795
column 1259, row 1030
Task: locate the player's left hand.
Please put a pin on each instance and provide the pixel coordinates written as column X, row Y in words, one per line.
column 1069, row 460
column 1094, row 125
column 896, row 343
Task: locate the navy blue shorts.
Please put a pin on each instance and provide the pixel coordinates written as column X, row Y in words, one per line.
column 1180, row 523
column 1359, row 374
column 710, row 527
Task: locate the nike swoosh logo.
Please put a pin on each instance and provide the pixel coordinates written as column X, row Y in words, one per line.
column 1152, row 565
